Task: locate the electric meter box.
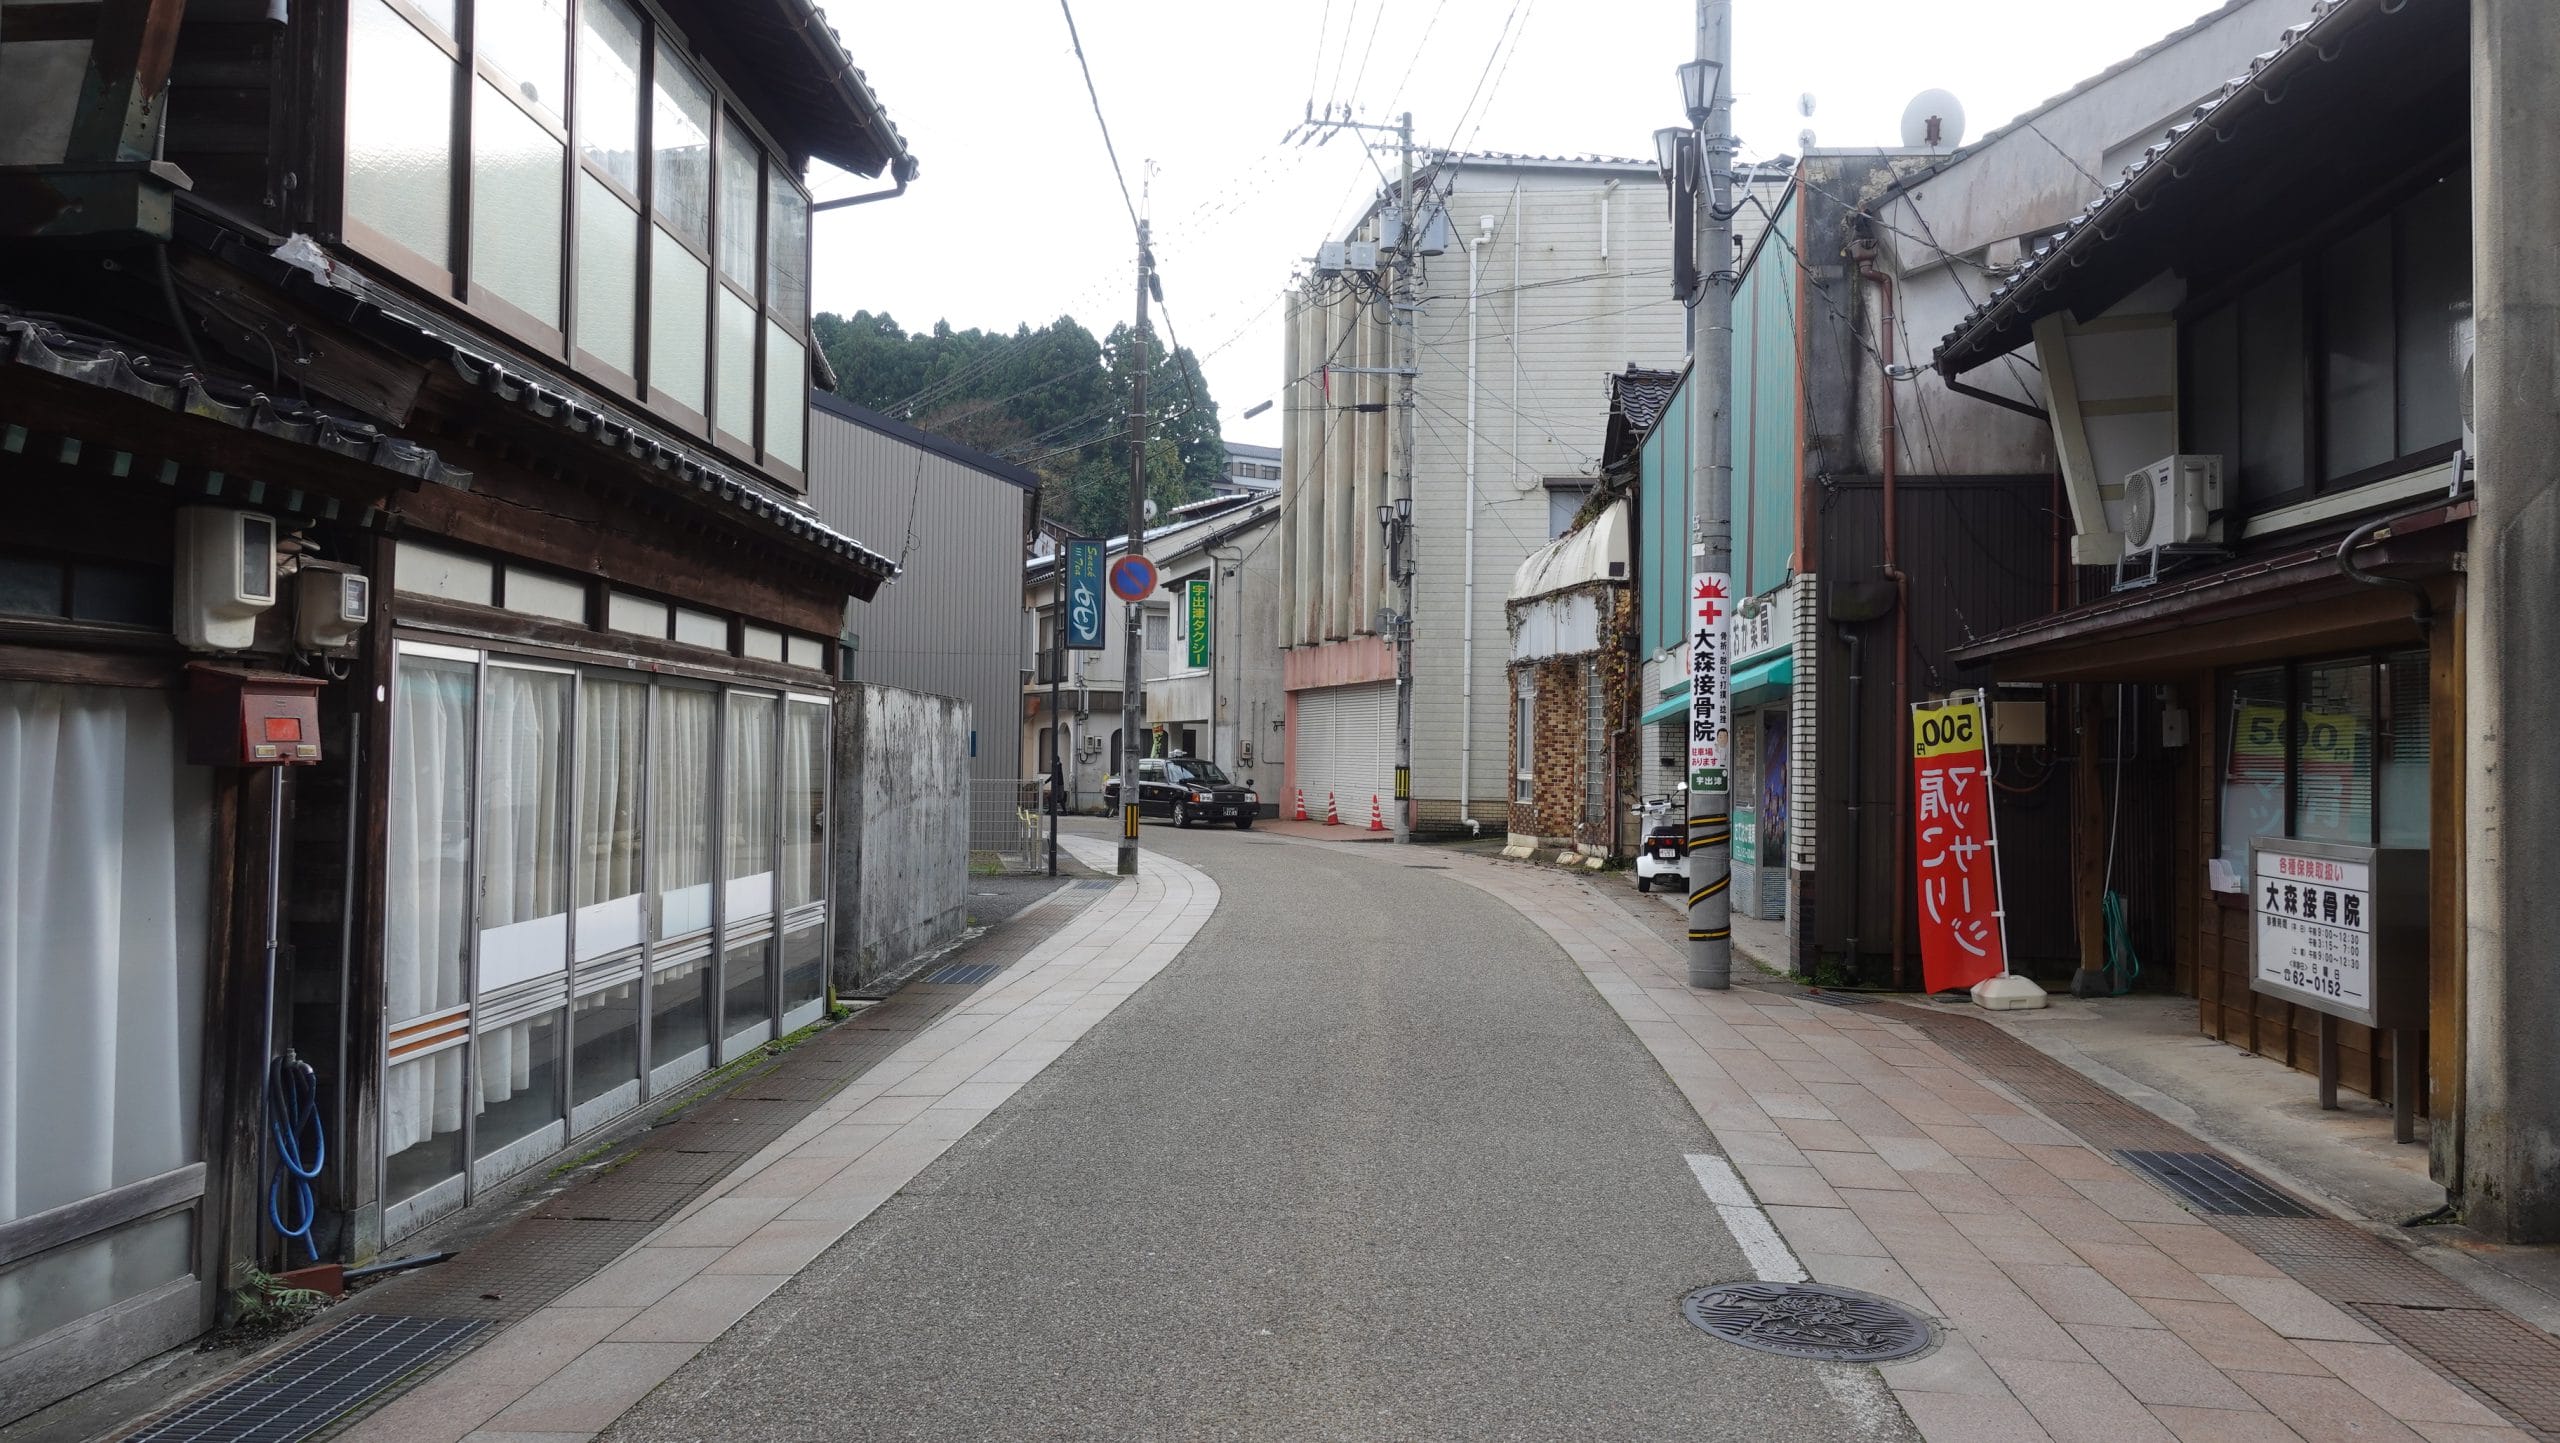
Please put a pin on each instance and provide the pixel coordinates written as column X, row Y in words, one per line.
column 331, row 604
column 225, row 576
column 2340, row 929
column 237, row 717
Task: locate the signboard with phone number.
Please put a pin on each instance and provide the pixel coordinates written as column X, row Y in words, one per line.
column 2340, row 928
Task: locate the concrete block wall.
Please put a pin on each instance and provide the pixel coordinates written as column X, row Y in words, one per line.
column 901, row 829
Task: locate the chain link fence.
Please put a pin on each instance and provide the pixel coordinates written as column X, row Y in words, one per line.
column 1004, row 818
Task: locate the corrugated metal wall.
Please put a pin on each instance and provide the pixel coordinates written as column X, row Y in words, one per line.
column 1978, row 551
column 952, row 624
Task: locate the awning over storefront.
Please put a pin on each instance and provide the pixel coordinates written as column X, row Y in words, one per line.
column 1765, row 681
column 1667, row 708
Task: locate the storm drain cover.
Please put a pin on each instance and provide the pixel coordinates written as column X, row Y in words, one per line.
column 1838, row 999
column 961, row 973
column 304, row 1391
column 2212, row 1185
column 1808, row 1320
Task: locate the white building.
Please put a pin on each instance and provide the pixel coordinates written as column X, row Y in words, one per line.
column 1550, row 275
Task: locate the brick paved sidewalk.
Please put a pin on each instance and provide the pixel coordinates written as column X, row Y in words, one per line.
column 566, row 1372
column 2078, row 1301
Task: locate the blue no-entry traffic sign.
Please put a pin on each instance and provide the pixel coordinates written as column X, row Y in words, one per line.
column 1133, row 578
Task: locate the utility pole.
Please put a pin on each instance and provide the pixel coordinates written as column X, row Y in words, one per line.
column 1054, row 787
column 1710, row 838
column 1133, row 701
column 1396, row 517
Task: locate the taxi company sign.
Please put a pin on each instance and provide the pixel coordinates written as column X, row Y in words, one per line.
column 1710, row 667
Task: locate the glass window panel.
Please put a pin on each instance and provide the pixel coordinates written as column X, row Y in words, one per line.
column 737, row 408
column 677, row 322
column 2407, row 752
column 679, row 1010
column 701, row 628
column 786, row 396
column 519, row 1081
column 608, row 276
column 804, row 966
column 70, row 1283
column 740, row 167
column 804, row 804
column 529, row 40
column 680, row 809
column 439, row 12
column 524, row 834
column 2357, row 410
column 2333, row 753
column 427, row 904
column 609, row 90
column 2271, row 389
column 29, row 587
column 747, row 778
column 612, row 723
column 2435, row 298
column 515, row 207
column 746, row 990
column 680, row 141
column 126, row 595
column 606, row 1029
column 787, row 255
column 2252, row 782
column 400, row 132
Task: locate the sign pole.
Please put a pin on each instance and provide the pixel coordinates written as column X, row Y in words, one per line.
column 1056, row 784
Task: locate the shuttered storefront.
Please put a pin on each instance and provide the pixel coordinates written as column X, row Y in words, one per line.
column 1346, row 746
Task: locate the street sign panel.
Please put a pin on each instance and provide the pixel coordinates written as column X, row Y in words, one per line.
column 1710, row 663
column 2340, row 928
column 1133, row 578
column 1084, row 595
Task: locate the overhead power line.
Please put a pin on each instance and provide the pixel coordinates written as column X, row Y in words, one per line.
column 1095, row 96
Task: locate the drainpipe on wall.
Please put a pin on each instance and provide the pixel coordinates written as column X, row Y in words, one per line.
column 1887, row 439
column 1467, row 632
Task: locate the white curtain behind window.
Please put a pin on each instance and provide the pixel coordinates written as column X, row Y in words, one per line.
column 680, row 809
column 748, row 769
column 104, row 839
column 611, row 720
column 804, row 802
column 429, row 894
column 523, row 864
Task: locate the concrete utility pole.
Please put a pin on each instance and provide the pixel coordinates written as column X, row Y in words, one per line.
column 1402, row 304
column 2511, row 1106
column 1710, row 840
column 1133, row 699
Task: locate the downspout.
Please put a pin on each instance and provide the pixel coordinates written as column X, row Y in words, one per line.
column 1889, row 451
column 901, row 170
column 1467, row 627
column 1857, row 780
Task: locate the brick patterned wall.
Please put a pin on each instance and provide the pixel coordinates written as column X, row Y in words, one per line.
column 1560, row 741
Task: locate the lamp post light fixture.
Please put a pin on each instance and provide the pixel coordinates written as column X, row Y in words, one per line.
column 1701, row 81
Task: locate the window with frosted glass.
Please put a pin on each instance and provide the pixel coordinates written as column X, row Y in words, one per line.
column 786, row 250
column 613, row 717
column 804, row 804
column 678, row 325
column 515, row 206
column 680, row 149
column 739, row 173
column 680, row 809
column 400, row 132
column 786, row 396
column 679, row 271
column 736, row 412
column 608, row 272
column 428, row 919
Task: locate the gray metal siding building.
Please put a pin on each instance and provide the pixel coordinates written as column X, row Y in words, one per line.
column 951, row 624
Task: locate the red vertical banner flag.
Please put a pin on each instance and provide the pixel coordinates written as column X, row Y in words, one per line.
column 1962, row 939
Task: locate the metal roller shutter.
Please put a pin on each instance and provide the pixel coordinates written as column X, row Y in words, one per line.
column 1346, row 746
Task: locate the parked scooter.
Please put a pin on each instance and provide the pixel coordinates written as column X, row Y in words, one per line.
column 1659, row 857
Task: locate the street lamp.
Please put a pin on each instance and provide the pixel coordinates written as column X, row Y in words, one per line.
column 1668, row 143
column 1700, row 83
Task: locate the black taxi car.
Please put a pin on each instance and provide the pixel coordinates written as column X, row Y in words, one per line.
column 1188, row 790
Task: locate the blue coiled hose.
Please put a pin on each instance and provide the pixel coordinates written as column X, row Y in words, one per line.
column 302, row 1147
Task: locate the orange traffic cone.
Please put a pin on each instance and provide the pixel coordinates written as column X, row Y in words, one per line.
column 1332, row 813
column 1301, row 803
column 1377, row 819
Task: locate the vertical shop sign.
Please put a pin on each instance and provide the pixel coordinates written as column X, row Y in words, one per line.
column 1195, row 608
column 1084, row 595
column 1962, row 940
column 1710, row 661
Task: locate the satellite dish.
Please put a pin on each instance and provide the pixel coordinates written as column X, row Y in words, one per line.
column 1804, row 104
column 1934, row 120
column 1804, row 140
column 1149, row 508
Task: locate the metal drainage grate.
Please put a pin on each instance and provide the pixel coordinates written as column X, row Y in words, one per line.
column 2212, row 1185
column 1837, row 999
column 964, row 973
column 2515, row 1366
column 307, row 1389
column 1808, row 1320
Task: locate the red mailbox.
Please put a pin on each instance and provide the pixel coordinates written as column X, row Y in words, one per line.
column 237, row 717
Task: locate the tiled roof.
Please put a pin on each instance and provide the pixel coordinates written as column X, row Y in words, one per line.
column 1637, row 398
column 813, row 21
column 56, row 350
column 2162, row 164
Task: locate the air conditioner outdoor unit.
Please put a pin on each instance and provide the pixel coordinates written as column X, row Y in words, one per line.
column 2172, row 502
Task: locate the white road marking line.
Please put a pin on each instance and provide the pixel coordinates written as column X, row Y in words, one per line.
column 1770, row 1258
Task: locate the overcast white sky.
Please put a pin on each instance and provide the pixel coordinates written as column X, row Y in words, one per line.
column 1016, row 218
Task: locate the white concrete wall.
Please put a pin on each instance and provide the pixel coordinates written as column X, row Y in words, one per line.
column 902, row 818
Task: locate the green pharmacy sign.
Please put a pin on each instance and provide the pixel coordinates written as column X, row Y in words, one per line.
column 1195, row 603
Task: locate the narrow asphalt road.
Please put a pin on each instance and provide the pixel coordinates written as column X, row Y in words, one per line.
column 1369, row 1161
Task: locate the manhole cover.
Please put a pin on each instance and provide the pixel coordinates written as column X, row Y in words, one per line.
column 1808, row 1320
